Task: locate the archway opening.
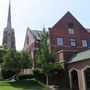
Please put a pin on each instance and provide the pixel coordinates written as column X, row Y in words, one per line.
column 74, row 79
column 87, row 78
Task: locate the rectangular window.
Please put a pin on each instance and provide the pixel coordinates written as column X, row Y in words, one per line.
column 84, row 43
column 60, row 41
column 71, row 28
column 72, row 42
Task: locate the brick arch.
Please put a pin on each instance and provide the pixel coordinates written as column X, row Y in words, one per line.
column 70, row 76
column 83, row 75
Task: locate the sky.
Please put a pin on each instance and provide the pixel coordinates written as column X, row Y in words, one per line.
column 36, row 13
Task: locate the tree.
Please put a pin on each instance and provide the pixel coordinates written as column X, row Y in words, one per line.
column 16, row 61
column 11, row 61
column 46, row 59
column 50, row 69
column 43, row 51
column 3, row 51
column 26, row 60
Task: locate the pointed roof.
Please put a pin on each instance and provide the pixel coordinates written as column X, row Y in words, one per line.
column 57, row 24
column 35, row 33
column 68, row 16
column 9, row 16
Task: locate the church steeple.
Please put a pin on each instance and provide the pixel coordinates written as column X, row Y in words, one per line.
column 9, row 34
column 9, row 16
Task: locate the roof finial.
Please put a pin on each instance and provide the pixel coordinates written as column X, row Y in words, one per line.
column 9, row 16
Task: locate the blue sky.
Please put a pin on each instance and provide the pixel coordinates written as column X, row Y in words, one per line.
column 35, row 13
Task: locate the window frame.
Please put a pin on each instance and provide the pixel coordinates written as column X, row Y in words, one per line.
column 73, row 42
column 61, row 42
column 71, row 31
column 71, row 28
column 84, row 42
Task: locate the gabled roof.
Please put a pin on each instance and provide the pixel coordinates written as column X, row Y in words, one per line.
column 36, row 33
column 80, row 56
column 69, row 16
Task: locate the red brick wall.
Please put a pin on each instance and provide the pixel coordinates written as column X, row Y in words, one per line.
column 79, row 65
column 60, row 30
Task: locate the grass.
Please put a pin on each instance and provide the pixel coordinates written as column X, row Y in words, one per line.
column 22, row 85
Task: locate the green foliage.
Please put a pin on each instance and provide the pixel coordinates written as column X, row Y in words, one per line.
column 46, row 59
column 37, row 70
column 43, row 51
column 11, row 61
column 26, row 61
column 26, row 77
column 31, row 84
column 51, row 69
column 2, row 53
column 15, row 61
column 44, row 56
column 39, row 75
column 7, row 74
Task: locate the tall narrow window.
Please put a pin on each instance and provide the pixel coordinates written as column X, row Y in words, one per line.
column 84, row 43
column 60, row 41
column 72, row 42
column 71, row 28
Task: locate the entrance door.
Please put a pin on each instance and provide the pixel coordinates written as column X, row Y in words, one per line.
column 74, row 80
column 87, row 78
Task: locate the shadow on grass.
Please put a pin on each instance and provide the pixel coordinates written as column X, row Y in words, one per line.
column 28, row 84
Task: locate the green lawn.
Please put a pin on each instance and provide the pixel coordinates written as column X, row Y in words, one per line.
column 20, row 88
column 22, row 85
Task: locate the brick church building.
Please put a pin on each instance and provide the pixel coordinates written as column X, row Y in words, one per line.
column 71, row 43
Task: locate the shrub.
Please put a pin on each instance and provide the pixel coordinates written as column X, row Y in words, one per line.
column 39, row 75
column 7, row 74
column 23, row 77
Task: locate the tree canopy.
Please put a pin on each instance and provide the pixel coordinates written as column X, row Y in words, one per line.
column 2, row 53
column 45, row 58
column 15, row 61
column 11, row 61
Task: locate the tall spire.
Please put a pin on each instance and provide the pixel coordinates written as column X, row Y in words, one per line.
column 9, row 34
column 9, row 16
